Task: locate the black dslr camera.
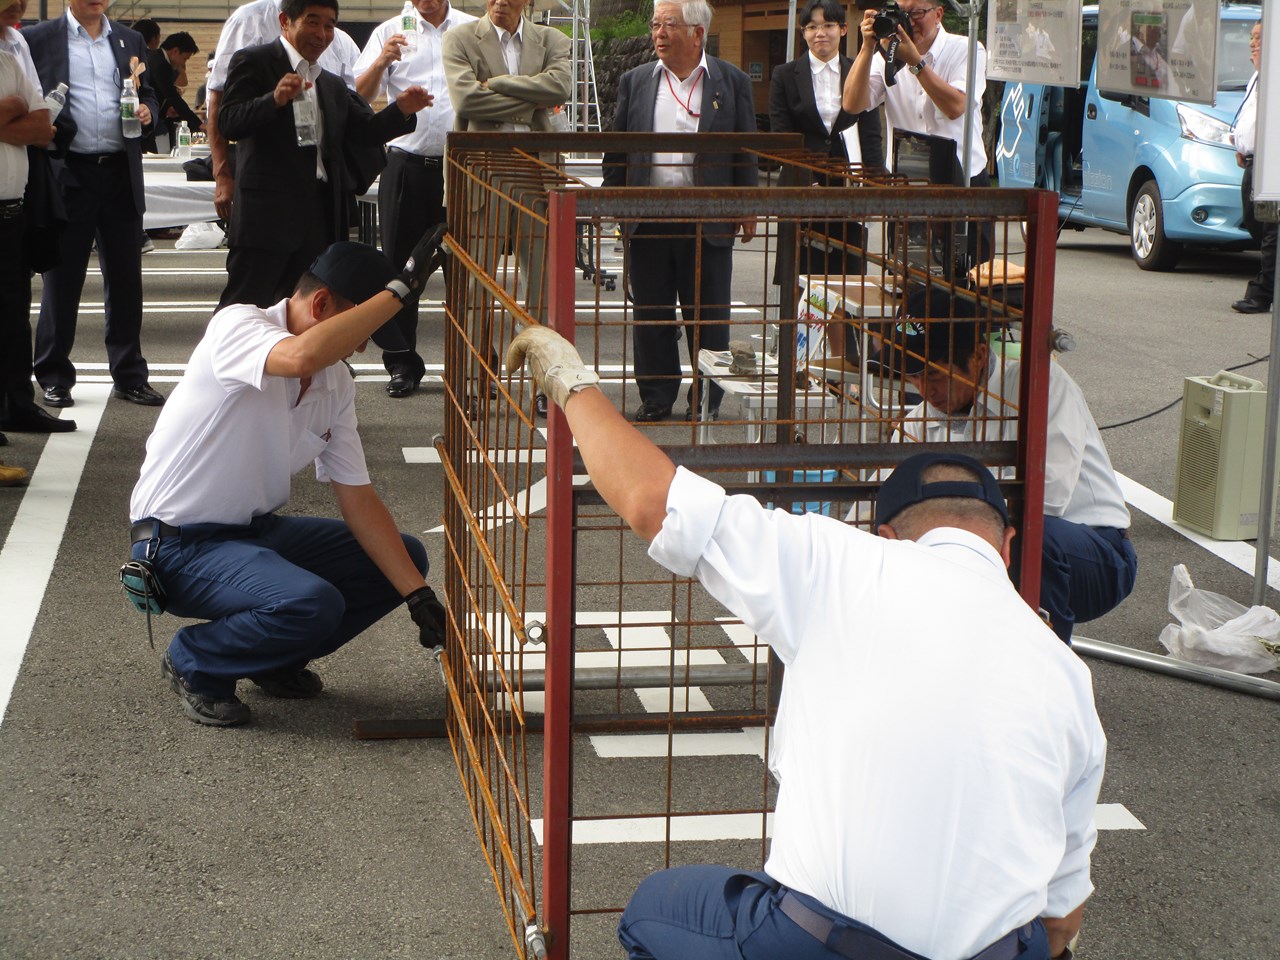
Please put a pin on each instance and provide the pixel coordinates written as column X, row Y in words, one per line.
column 886, row 24
column 888, row 20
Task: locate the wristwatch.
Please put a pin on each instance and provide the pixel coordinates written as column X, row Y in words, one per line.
column 918, row 68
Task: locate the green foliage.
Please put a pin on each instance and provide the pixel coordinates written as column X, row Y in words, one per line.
column 629, row 23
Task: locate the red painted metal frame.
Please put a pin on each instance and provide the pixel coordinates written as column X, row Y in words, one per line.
column 557, row 773
column 1033, row 399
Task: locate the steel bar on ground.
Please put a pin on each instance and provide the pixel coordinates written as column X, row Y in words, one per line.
column 1240, row 682
column 633, row 678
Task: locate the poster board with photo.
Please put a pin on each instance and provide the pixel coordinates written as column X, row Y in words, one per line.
column 1159, row 48
column 1035, row 41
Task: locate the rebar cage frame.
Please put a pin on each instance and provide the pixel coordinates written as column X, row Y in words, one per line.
column 545, row 652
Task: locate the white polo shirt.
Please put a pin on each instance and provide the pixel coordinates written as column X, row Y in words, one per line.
column 259, row 22
column 1080, row 484
column 937, row 748
column 909, row 107
column 231, row 436
column 424, row 68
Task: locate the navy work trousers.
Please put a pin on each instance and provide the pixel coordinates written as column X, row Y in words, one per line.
column 1085, row 572
column 718, row 913
column 277, row 593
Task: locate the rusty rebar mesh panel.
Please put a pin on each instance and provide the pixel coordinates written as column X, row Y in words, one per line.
column 782, row 390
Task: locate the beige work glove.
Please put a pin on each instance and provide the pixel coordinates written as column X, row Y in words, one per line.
column 554, row 364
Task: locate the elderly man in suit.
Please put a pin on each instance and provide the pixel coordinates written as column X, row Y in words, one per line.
column 290, row 194
column 685, row 92
column 804, row 97
column 100, row 170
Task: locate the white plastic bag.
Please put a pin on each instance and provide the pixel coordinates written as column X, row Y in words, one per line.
column 200, row 236
column 1218, row 632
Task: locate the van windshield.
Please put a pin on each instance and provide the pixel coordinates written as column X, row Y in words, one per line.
column 1234, row 66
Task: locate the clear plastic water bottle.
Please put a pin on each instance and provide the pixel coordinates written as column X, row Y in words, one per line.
column 130, row 125
column 55, row 101
column 409, row 27
column 182, row 144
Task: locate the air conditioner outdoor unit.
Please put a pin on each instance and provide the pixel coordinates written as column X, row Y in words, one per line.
column 1216, row 490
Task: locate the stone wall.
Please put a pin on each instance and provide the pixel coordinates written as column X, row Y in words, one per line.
column 613, row 58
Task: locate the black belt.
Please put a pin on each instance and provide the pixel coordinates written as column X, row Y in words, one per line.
column 861, row 945
column 10, row 208
column 99, row 159
column 152, row 529
column 417, row 157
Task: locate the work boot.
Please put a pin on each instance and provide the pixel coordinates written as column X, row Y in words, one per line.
column 204, row 709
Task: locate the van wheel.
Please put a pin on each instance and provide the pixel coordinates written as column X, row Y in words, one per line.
column 1151, row 248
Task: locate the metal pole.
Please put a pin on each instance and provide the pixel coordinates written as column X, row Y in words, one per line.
column 1268, row 212
column 1240, row 682
column 970, row 81
column 791, row 31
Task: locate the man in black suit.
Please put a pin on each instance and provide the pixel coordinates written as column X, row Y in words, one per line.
column 685, row 92
column 165, row 66
column 100, row 171
column 804, row 97
column 290, row 200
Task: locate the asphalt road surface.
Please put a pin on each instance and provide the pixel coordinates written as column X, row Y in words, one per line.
column 128, row 832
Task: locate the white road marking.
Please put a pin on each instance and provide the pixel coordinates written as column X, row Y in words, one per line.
column 31, row 547
column 1114, row 816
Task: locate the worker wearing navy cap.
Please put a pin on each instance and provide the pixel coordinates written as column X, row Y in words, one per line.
column 265, row 394
column 938, row 751
column 969, row 393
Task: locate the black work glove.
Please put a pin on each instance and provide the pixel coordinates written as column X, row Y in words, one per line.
column 428, row 613
column 425, row 260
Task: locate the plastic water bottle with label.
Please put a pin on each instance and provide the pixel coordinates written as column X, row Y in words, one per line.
column 55, row 101
column 182, row 142
column 130, row 124
column 409, row 27
column 304, row 121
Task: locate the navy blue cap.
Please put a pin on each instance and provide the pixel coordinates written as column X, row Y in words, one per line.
column 904, row 487
column 357, row 272
column 926, row 332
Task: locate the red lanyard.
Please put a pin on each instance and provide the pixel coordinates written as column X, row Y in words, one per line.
column 688, row 107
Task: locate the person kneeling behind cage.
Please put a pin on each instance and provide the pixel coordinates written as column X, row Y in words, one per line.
column 265, row 394
column 938, row 762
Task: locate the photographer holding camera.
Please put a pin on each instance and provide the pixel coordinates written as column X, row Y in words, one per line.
column 928, row 96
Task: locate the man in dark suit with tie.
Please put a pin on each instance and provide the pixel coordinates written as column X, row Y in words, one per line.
column 100, row 172
column 804, row 97
column 291, row 195
column 686, row 91
column 165, row 65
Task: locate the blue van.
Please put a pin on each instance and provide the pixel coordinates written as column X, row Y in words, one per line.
column 1162, row 171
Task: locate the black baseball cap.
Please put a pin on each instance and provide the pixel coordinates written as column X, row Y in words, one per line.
column 904, row 487
column 356, row 272
column 927, row 331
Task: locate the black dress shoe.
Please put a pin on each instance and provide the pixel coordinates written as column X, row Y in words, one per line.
column 1250, row 305
column 540, row 404
column 35, row 419
column 57, row 397
column 712, row 414
column 142, row 395
column 651, row 412
column 401, row 385
column 4, row 441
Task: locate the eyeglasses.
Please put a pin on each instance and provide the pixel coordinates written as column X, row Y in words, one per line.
column 824, row 27
column 919, row 14
column 657, row 26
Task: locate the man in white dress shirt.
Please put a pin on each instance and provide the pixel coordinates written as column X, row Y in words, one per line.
column 411, row 191
column 938, row 763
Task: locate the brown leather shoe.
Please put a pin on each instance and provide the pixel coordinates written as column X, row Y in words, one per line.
column 13, row 476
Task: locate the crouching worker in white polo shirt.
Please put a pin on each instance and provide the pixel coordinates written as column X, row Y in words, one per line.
column 937, row 749
column 265, row 394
